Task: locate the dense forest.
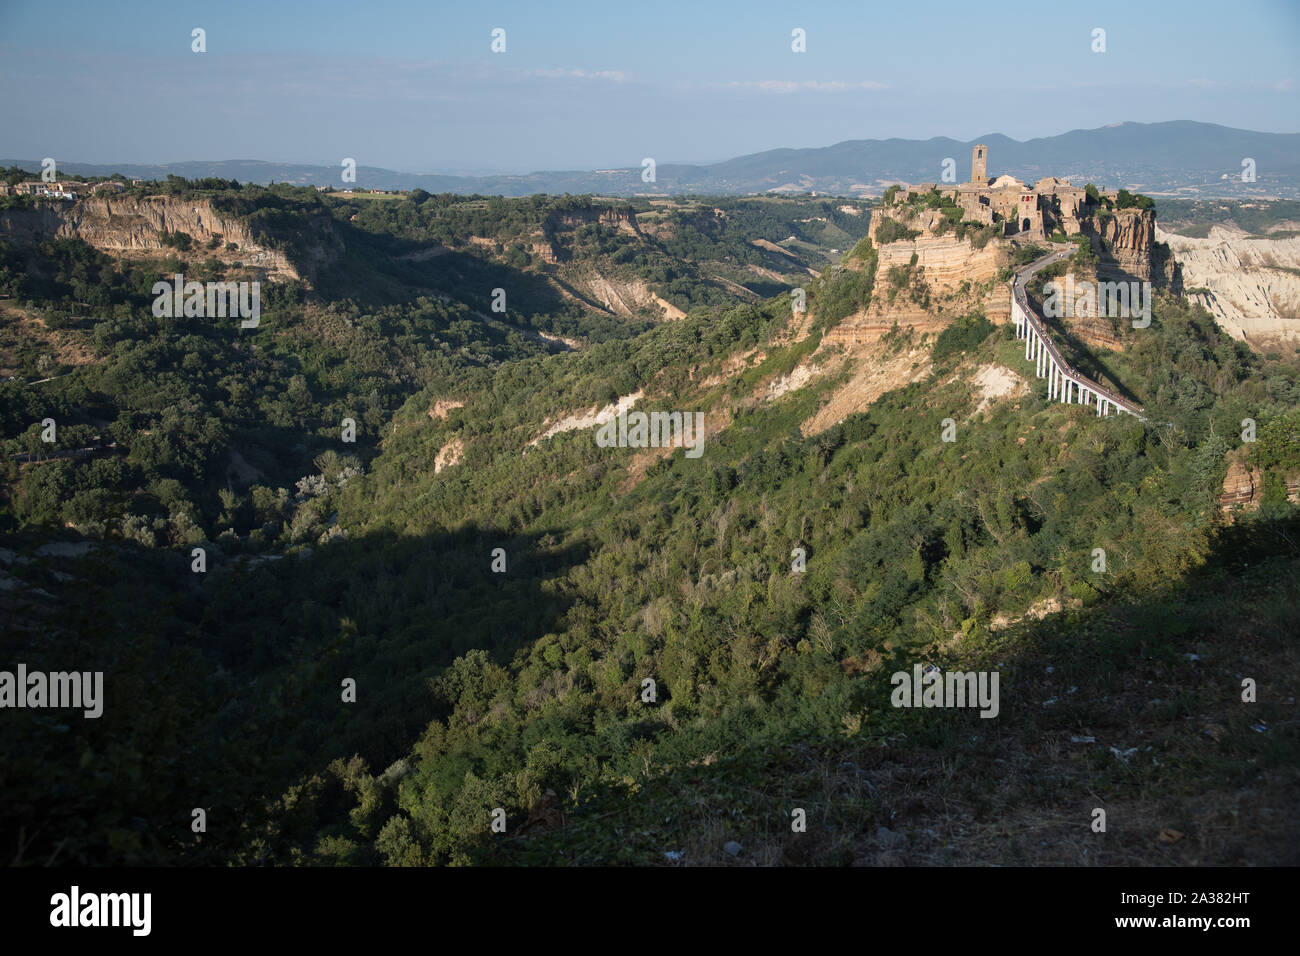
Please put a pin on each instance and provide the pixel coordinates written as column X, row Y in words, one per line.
column 625, row 653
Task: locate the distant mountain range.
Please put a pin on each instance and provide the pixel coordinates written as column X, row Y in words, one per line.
column 1181, row 158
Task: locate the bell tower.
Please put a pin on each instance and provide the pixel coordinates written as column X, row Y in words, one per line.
column 979, row 156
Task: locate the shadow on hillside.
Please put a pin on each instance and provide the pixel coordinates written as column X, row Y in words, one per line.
column 1132, row 705
column 1085, row 358
column 223, row 696
column 375, row 271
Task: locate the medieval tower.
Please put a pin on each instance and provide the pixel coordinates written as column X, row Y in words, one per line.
column 979, row 156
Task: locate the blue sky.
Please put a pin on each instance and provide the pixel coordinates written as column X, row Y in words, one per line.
column 414, row 86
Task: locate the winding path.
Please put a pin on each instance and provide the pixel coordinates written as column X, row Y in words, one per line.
column 1063, row 380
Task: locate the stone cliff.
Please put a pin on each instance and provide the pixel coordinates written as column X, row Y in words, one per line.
column 927, row 281
column 930, row 276
column 137, row 228
column 1243, row 486
column 1250, row 284
column 551, row 248
column 1125, row 241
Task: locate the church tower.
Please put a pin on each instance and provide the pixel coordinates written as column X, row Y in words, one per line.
column 979, row 156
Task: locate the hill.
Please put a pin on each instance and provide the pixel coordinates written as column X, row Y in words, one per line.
column 1180, row 158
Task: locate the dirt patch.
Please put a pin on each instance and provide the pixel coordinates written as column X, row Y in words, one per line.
column 715, row 421
column 994, row 382
column 450, row 454
column 590, row 418
column 1035, row 612
column 730, row 367
column 442, row 407
column 766, row 273
column 875, row 376
column 773, row 247
column 799, row 376
column 735, row 287
column 671, row 312
column 22, row 327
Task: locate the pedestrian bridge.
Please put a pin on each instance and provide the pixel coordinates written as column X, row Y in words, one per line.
column 1064, row 382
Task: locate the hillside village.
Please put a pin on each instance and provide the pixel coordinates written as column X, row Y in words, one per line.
column 1026, row 211
column 64, row 189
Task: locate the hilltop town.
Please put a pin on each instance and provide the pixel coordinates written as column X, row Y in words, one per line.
column 1029, row 212
column 65, row 189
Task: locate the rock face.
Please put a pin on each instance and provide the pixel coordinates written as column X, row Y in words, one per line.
column 552, row 250
column 1251, row 285
column 624, row 297
column 927, row 281
column 949, row 278
column 1083, row 319
column 1241, row 486
column 1128, row 248
column 135, row 227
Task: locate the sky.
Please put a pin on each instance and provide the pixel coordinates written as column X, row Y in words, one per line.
column 416, row 86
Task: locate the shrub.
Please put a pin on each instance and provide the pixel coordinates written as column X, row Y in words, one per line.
column 891, row 230
column 863, row 249
column 963, row 335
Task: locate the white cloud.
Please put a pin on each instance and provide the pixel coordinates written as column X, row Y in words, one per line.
column 802, row 86
column 612, row 76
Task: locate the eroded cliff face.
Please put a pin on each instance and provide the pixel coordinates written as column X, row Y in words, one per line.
column 623, row 297
column 136, row 227
column 1243, row 486
column 552, row 248
column 1128, row 248
column 1251, row 285
column 949, row 278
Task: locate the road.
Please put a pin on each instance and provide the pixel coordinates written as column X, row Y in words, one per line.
column 1022, row 277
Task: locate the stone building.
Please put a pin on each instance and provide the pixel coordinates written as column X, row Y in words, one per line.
column 1033, row 212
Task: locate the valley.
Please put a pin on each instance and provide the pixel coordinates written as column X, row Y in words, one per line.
column 498, row 584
